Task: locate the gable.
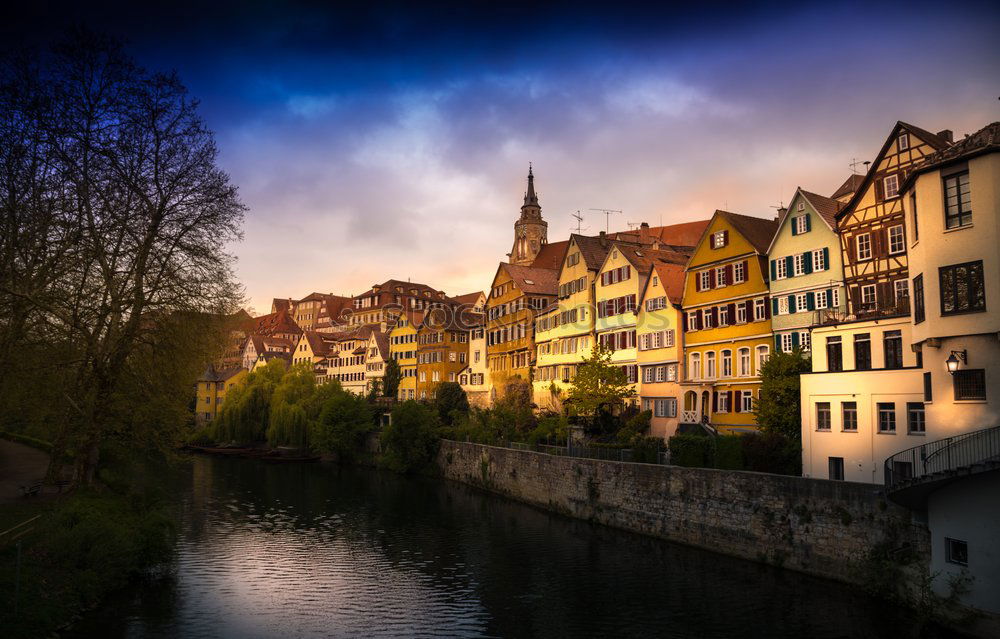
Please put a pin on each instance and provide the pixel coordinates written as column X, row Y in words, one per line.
column 735, row 243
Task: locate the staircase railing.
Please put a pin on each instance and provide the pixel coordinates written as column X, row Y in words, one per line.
column 941, row 456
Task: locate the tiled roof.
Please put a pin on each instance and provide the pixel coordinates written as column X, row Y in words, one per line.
column 468, row 298
column 213, row 375
column 382, row 343
column 758, row 231
column 279, row 322
column 551, row 256
column 672, row 279
column 985, row 140
column 319, row 343
column 850, row 186
column 825, row 206
column 644, row 257
column 593, row 249
column 281, row 304
column 683, row 234
column 933, row 139
column 531, row 279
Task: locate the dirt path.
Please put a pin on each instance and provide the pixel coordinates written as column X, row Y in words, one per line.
column 20, row 465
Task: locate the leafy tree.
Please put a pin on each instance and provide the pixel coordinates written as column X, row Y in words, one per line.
column 374, row 388
column 410, row 441
column 246, row 414
column 393, row 375
column 449, row 400
column 778, row 410
column 289, row 423
column 344, row 422
column 599, row 387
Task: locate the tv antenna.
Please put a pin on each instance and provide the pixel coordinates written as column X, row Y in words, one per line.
column 607, row 217
column 854, row 165
column 579, row 222
column 632, row 225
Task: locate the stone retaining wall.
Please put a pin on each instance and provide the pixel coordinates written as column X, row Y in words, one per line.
column 820, row 527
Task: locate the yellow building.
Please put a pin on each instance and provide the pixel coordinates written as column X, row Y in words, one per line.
column 727, row 316
column 346, row 361
column 442, row 351
column 659, row 337
column 377, row 356
column 211, row 392
column 403, row 349
column 313, row 347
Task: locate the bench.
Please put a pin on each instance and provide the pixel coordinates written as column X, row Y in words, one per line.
column 31, row 490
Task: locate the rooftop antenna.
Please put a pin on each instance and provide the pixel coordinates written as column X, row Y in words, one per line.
column 854, row 165
column 632, row 225
column 579, row 222
column 607, row 217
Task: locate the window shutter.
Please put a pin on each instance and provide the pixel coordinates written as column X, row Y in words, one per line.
column 774, row 305
column 789, row 266
column 884, row 294
column 795, row 339
column 697, row 321
column 730, row 393
column 736, row 404
column 725, row 238
column 808, row 223
column 697, row 282
column 795, row 229
column 826, row 258
column 767, row 309
column 715, row 401
column 732, row 313
column 746, row 270
column 879, row 193
column 777, row 343
column 852, row 249
column 750, row 316
column 811, row 301
column 628, row 272
column 774, row 271
column 855, row 293
column 808, row 262
column 791, row 303
column 729, row 274
column 711, row 278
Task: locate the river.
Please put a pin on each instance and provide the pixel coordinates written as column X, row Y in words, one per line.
column 321, row 550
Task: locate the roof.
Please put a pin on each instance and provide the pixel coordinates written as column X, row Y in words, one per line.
column 531, row 279
column 279, row 322
column 468, row 298
column 551, row 255
column 391, row 284
column 849, row 187
column 593, row 249
column 280, row 304
column 672, row 279
column 826, row 207
column 985, row 140
column 933, row 139
column 683, row 234
column 381, row 343
column 212, row 375
column 319, row 343
column 757, row 230
column 267, row 356
column 644, row 257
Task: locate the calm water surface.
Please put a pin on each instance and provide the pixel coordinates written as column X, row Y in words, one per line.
column 327, row 551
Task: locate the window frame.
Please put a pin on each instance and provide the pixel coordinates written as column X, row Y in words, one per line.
column 887, row 409
column 868, row 247
column 970, row 267
column 900, row 237
column 895, row 186
column 980, row 381
column 960, row 214
column 824, row 417
column 848, row 408
column 915, row 426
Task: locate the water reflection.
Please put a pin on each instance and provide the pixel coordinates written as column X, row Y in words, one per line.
column 329, row 551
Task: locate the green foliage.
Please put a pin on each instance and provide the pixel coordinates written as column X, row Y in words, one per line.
column 696, row 451
column 289, row 426
column 450, row 398
column 410, row 442
column 759, row 452
column 551, row 429
column 771, row 452
column 289, row 422
column 344, row 421
column 246, row 414
column 392, row 378
column 636, row 428
column 729, row 452
column 599, row 388
column 778, row 408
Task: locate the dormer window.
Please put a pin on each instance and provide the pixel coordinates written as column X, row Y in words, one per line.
column 720, row 239
column 903, row 141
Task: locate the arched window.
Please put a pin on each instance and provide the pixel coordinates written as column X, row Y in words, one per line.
column 695, row 368
column 710, row 371
column 744, row 362
column 727, row 363
column 762, row 354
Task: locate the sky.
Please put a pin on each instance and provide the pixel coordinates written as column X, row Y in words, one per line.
column 378, row 140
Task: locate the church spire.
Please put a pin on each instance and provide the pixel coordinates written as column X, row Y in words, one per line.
column 530, row 199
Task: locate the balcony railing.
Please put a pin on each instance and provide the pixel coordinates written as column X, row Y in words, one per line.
column 894, row 308
column 941, row 459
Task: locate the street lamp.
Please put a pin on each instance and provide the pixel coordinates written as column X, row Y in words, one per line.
column 954, row 359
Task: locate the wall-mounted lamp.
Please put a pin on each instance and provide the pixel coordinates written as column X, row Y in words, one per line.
column 954, row 359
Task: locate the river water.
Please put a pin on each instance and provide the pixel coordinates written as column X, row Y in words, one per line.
column 321, row 550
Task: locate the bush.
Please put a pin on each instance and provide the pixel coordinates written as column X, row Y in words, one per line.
column 771, row 453
column 449, row 400
column 410, row 441
column 729, row 452
column 344, row 421
column 696, row 451
column 551, row 429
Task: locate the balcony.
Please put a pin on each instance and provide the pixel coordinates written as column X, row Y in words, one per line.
column 893, row 308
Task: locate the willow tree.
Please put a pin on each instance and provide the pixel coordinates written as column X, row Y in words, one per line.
column 116, row 222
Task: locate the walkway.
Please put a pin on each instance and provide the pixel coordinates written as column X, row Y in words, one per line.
column 21, row 465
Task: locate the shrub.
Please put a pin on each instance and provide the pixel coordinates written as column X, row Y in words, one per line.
column 449, row 399
column 697, row 451
column 771, row 453
column 344, row 421
column 551, row 429
column 729, row 452
column 410, row 441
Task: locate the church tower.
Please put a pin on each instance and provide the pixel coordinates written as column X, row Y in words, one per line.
column 530, row 230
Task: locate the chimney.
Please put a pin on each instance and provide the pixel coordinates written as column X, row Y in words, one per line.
column 644, row 233
column 603, row 239
column 947, row 135
column 781, row 212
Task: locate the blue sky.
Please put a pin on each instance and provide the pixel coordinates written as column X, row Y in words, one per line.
column 388, row 141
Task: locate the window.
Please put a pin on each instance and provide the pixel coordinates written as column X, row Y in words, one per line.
column 744, row 365
column 786, row 343
column 706, row 318
column 819, row 261
column 913, row 210
column 820, row 299
column 915, row 424
column 739, row 273
column 747, row 406
column 837, row 468
column 720, row 277
column 886, row 417
column 695, row 368
column 647, row 374
column 780, row 268
column 903, row 142
column 862, row 352
column 805, row 340
column 801, row 223
column 892, row 343
column 957, row 201
column 897, row 242
column 759, row 309
column 962, row 289
column 890, row 185
column 834, row 297
column 723, row 401
column 901, row 290
column 782, row 306
column 762, row 355
column 902, row 470
column 868, row 298
column 718, row 239
column 723, row 316
column 928, row 388
column 801, row 302
column 918, row 299
column 956, row 551
column 661, row 373
column 710, row 365
column 705, row 280
column 799, row 264
column 970, row 383
column 823, row 416
column 849, row 416
column 863, row 245
column 741, row 313
column 692, row 321
column 727, row 363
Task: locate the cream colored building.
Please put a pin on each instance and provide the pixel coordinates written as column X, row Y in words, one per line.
column 475, row 377
column 375, row 359
column 659, row 337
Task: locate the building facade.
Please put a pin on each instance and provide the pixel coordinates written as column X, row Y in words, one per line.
column 403, row 349
column 442, row 352
column 212, row 387
column 659, row 337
